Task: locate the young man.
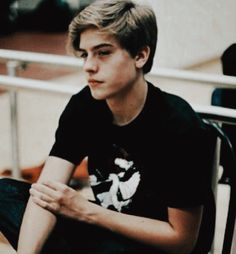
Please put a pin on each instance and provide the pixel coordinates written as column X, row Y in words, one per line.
column 147, row 153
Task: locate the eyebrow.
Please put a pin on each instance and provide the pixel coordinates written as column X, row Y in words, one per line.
column 102, row 45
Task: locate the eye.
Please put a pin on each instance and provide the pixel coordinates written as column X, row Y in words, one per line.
column 104, row 52
column 83, row 55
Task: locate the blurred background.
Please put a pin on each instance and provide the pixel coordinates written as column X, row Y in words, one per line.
column 193, row 36
column 44, row 15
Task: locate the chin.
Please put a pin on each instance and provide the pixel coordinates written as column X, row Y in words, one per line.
column 98, row 96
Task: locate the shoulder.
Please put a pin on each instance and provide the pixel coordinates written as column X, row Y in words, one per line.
column 177, row 115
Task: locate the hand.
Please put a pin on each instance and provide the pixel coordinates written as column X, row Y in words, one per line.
column 60, row 199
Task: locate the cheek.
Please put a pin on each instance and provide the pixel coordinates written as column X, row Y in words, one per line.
column 118, row 71
column 122, row 69
column 127, row 73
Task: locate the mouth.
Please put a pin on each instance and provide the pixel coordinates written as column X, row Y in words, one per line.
column 94, row 83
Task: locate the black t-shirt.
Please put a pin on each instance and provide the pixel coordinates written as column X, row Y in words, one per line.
column 158, row 158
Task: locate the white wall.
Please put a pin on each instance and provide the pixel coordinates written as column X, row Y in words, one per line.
column 192, row 35
column 192, row 32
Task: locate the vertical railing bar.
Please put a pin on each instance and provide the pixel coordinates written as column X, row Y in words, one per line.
column 12, row 69
column 215, row 177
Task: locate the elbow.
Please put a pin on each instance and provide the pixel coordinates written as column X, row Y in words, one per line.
column 177, row 247
column 185, row 246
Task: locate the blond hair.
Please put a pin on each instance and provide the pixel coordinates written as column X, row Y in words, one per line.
column 134, row 26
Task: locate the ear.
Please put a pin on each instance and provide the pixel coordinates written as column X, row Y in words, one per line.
column 142, row 57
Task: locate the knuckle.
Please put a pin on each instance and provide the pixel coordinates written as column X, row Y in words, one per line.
column 56, row 207
column 43, row 204
column 65, row 189
column 59, row 197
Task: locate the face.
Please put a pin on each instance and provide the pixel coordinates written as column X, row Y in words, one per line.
column 110, row 70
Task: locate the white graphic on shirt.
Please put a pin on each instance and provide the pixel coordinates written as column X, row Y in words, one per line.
column 126, row 188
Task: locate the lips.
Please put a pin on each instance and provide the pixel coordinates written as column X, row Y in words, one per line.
column 94, row 82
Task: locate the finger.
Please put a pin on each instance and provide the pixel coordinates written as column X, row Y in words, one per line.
column 47, row 190
column 40, row 195
column 53, row 207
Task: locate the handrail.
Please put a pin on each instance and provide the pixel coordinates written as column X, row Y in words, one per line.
column 19, row 84
column 69, row 61
column 216, row 113
column 40, row 58
column 216, row 80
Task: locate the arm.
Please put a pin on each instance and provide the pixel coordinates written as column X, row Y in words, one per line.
column 177, row 235
column 37, row 222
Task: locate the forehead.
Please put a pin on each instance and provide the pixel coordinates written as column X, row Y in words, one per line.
column 93, row 37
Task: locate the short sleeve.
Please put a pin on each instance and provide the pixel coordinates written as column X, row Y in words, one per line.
column 70, row 136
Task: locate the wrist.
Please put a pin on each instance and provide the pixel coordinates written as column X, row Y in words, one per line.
column 94, row 214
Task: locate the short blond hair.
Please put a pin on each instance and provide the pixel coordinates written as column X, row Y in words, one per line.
column 134, row 26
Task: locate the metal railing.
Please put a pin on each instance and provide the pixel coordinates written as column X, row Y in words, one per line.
column 16, row 59
column 24, row 58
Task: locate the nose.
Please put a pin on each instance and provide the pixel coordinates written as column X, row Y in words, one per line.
column 90, row 64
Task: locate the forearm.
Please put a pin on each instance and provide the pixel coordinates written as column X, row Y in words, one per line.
column 36, row 227
column 160, row 234
column 37, row 222
column 148, row 231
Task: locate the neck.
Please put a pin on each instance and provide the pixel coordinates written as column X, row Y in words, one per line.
column 126, row 108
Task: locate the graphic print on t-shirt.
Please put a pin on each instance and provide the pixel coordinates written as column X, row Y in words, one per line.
column 115, row 180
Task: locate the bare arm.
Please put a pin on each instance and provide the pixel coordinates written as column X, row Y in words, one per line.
column 37, row 222
column 177, row 235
